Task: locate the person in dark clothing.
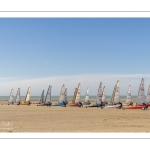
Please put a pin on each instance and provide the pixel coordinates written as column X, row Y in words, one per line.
column 120, row 105
column 144, row 106
column 102, row 104
column 80, row 104
column 49, row 104
column 64, row 103
column 131, row 104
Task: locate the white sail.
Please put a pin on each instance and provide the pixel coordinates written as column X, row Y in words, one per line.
column 116, row 98
column 141, row 95
column 65, row 95
column 112, row 98
column 27, row 99
column 87, row 96
column 18, row 96
column 48, row 95
column 42, row 97
column 99, row 95
column 148, row 95
column 128, row 99
column 11, row 96
column 77, row 99
column 62, row 94
column 74, row 96
column 104, row 94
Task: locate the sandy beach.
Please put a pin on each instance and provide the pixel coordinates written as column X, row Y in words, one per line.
column 35, row 118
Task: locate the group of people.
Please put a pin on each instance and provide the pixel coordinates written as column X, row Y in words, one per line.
column 144, row 106
column 105, row 103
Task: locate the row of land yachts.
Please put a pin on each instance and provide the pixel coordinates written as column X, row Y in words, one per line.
column 142, row 102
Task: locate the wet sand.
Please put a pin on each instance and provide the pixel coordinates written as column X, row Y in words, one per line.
column 35, row 118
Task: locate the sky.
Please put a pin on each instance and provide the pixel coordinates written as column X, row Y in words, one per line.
column 38, row 52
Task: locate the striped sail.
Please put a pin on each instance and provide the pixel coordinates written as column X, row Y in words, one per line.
column 42, row 97
column 116, row 98
column 18, row 96
column 104, row 94
column 112, row 97
column 65, row 95
column 48, row 95
column 99, row 95
column 148, row 95
column 11, row 96
column 141, row 95
column 27, row 99
column 74, row 96
column 62, row 94
column 128, row 99
column 87, row 96
column 78, row 94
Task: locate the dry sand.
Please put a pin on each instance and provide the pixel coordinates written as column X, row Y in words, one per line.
column 71, row 119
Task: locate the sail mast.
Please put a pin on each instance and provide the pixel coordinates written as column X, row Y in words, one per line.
column 141, row 95
column 27, row 98
column 99, row 94
column 104, row 94
column 11, row 96
column 128, row 98
column 112, row 98
column 87, row 95
column 77, row 99
column 74, row 96
column 65, row 95
column 17, row 99
column 148, row 95
column 48, row 95
column 62, row 94
column 42, row 97
column 116, row 98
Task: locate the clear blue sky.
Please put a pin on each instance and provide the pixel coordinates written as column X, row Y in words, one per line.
column 44, row 47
